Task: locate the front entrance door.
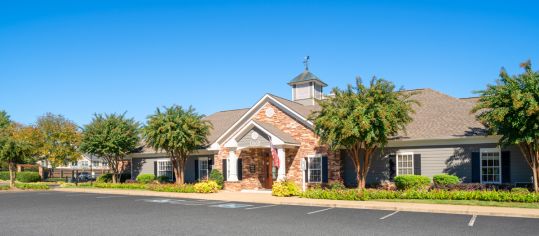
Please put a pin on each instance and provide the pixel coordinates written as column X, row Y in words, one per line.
column 266, row 179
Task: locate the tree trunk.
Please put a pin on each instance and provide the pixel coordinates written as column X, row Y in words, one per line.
column 114, row 177
column 535, row 170
column 179, row 171
column 11, row 167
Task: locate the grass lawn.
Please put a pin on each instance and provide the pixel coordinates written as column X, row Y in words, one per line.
column 465, row 202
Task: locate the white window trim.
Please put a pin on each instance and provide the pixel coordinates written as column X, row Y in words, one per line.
column 397, row 162
column 200, row 169
column 172, row 172
column 309, row 169
column 481, row 150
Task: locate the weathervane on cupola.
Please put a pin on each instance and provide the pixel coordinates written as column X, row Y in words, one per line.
column 306, row 62
column 307, row 87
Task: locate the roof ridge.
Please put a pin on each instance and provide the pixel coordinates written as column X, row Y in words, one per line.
column 285, row 99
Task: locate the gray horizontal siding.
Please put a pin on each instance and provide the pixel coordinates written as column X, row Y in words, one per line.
column 436, row 160
column 147, row 166
column 261, row 141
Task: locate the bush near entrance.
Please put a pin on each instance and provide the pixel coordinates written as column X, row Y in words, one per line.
column 209, row 186
column 285, row 189
column 217, row 176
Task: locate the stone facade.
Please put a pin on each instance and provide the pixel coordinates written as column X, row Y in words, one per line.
column 256, row 156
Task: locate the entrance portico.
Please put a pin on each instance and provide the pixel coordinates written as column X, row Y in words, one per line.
column 250, row 154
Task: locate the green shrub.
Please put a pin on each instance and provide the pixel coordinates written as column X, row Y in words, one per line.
column 162, row 179
column 145, row 178
column 217, row 176
column 4, row 175
column 285, row 189
column 120, row 186
column 336, row 185
column 34, row 186
column 405, row 182
column 520, row 190
column 209, row 186
column 104, row 178
column 28, row 177
column 4, row 187
column 445, row 179
column 174, row 188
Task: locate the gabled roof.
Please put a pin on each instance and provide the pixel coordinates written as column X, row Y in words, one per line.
column 303, row 110
column 221, row 121
column 441, row 116
column 306, row 76
column 285, row 137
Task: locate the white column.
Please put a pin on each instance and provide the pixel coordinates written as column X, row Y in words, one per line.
column 232, row 165
column 281, row 173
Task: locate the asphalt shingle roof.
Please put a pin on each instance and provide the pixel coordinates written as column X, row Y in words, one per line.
column 304, row 77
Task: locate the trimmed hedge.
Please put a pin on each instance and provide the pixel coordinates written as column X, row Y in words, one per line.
column 163, row 179
column 405, row 182
column 4, row 187
column 353, row 194
column 445, row 179
column 28, row 177
column 285, row 189
column 33, row 186
column 186, row 188
column 145, row 178
column 4, row 175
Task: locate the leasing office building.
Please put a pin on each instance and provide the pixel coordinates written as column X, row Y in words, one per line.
column 444, row 137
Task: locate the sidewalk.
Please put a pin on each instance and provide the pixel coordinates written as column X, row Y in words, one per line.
column 266, row 198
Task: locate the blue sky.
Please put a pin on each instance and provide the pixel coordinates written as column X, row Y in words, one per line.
column 78, row 58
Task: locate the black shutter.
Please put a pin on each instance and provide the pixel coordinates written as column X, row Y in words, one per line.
column 392, row 166
column 240, row 169
column 307, row 170
column 417, row 164
column 324, row 169
column 476, row 167
column 210, row 165
column 224, row 169
column 155, row 168
column 506, row 167
column 196, row 169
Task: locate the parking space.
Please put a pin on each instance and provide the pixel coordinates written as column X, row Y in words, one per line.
column 157, row 215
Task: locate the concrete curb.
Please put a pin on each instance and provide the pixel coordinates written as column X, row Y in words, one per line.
column 372, row 205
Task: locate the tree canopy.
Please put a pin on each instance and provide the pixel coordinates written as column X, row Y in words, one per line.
column 111, row 137
column 60, row 139
column 362, row 118
column 510, row 108
column 177, row 131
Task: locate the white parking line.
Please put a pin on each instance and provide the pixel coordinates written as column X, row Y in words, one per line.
column 388, row 215
column 258, row 207
column 313, row 212
column 472, row 221
column 109, row 197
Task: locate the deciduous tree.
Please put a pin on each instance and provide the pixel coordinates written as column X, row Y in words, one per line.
column 110, row 137
column 361, row 119
column 60, row 139
column 510, row 108
column 177, row 131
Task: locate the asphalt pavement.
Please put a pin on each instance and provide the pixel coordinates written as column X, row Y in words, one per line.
column 63, row 213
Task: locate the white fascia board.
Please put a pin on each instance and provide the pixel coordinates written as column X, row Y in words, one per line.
column 253, row 110
column 232, row 143
column 444, row 141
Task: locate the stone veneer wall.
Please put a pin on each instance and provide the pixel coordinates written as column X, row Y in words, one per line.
column 309, row 146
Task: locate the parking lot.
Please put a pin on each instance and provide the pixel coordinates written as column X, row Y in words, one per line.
column 61, row 213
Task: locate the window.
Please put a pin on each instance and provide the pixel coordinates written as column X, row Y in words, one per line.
column 203, row 168
column 490, row 165
column 95, row 163
column 405, row 164
column 74, row 164
column 164, row 168
column 315, row 169
column 84, row 164
column 104, row 163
